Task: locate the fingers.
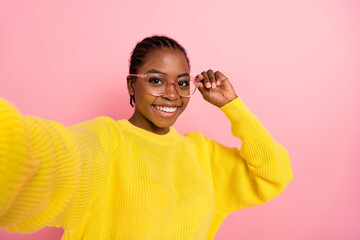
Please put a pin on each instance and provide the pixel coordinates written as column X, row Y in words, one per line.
column 205, row 79
column 200, row 85
column 220, row 77
column 211, row 79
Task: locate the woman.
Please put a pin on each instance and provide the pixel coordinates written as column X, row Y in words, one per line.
column 138, row 178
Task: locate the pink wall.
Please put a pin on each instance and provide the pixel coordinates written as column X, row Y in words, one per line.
column 296, row 64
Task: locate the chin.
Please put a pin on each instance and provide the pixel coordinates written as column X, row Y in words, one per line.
column 164, row 123
column 162, row 119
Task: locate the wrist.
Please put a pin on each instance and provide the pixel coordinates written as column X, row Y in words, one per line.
column 236, row 110
column 228, row 100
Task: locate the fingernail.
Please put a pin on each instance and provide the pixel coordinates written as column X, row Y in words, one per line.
column 213, row 85
column 208, row 85
column 218, row 82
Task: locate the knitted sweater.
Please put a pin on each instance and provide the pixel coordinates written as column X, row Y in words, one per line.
column 105, row 179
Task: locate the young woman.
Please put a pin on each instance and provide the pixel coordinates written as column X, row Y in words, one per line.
column 138, row 178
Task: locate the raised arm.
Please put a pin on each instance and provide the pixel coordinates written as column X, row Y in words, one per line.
column 256, row 173
column 47, row 171
column 253, row 175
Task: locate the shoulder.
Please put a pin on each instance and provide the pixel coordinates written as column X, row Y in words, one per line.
column 194, row 135
column 195, row 138
column 104, row 129
column 101, row 123
column 198, row 140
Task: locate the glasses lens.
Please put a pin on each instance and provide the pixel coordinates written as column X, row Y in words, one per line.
column 158, row 84
column 185, row 86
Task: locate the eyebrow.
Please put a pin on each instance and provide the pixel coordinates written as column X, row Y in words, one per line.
column 157, row 71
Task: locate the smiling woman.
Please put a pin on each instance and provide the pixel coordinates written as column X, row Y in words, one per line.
column 138, row 178
column 158, row 113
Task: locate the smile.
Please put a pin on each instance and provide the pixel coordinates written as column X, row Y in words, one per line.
column 165, row 111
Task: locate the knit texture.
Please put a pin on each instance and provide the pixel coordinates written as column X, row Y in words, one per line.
column 104, row 179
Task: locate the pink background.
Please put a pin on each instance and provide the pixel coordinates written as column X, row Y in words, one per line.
column 295, row 64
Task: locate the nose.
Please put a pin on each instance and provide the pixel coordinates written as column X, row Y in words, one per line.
column 171, row 93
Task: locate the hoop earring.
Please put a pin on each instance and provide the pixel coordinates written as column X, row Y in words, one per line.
column 132, row 100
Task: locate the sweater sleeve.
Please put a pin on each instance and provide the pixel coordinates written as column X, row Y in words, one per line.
column 49, row 173
column 253, row 175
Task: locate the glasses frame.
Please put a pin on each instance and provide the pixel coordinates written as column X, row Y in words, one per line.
column 172, row 82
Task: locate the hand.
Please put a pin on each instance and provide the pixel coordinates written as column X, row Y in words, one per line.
column 215, row 88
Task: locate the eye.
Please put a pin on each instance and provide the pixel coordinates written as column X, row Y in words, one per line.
column 183, row 83
column 155, row 80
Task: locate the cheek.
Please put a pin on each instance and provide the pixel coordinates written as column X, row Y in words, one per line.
column 141, row 97
column 144, row 100
column 139, row 89
column 185, row 103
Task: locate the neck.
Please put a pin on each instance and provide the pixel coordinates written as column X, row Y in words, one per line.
column 149, row 126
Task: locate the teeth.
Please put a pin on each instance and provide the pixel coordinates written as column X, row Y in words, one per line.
column 166, row 109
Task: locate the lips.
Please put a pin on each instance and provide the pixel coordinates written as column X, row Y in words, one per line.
column 165, row 111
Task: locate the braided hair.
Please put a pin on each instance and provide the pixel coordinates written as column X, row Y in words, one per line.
column 147, row 45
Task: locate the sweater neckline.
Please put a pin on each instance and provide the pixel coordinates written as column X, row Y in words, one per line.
column 164, row 139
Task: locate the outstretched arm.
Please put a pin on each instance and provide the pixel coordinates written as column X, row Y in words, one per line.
column 47, row 170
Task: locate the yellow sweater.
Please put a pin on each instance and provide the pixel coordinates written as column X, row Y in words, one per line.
column 104, row 179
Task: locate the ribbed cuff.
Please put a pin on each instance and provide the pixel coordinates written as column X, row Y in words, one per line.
column 215, row 224
column 236, row 110
column 12, row 154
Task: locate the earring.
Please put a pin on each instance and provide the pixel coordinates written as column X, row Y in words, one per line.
column 132, row 100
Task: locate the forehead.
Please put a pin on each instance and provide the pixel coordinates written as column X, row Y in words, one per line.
column 166, row 60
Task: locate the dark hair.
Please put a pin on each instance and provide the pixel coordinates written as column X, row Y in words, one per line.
column 150, row 44
column 147, row 45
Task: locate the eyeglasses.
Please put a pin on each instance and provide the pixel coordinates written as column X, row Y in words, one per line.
column 158, row 84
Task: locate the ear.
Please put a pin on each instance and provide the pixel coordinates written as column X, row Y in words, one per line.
column 131, row 85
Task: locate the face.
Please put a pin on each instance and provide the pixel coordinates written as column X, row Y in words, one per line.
column 157, row 114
